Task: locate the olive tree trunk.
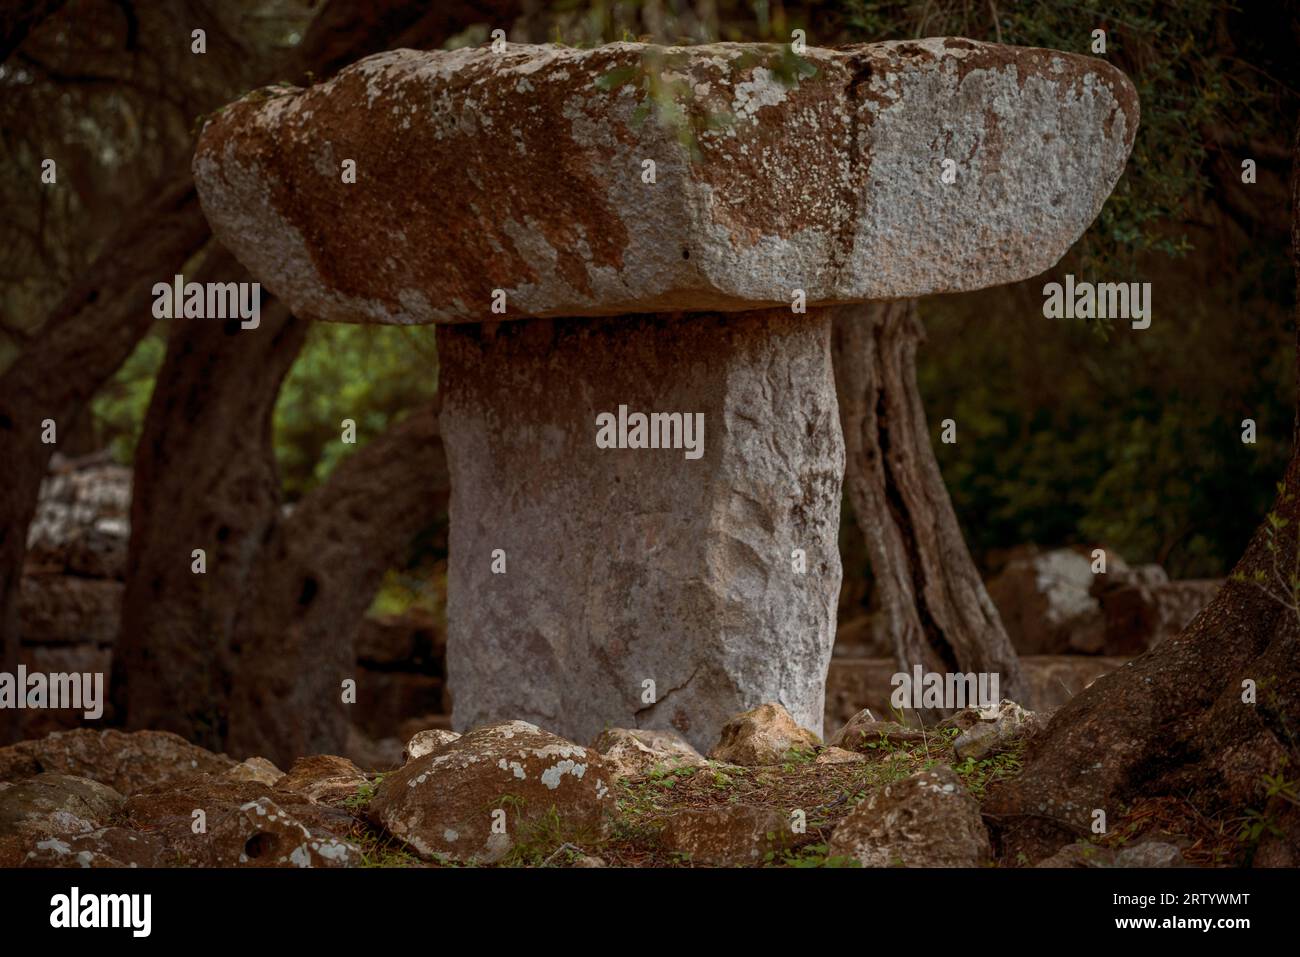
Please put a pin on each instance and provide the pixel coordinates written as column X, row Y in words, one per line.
column 933, row 601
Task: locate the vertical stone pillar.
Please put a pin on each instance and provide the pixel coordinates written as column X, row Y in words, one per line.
column 715, row 577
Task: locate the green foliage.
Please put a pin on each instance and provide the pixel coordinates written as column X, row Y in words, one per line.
column 978, row 775
column 1133, row 441
column 365, row 794
column 371, row 374
column 117, row 411
column 810, row 855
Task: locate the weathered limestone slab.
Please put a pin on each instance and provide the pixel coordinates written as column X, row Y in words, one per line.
column 628, row 565
column 523, row 171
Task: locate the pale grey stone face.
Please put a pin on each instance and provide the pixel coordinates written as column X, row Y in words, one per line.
column 628, row 565
column 523, row 171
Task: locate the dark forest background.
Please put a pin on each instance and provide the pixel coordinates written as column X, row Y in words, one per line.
column 1069, row 431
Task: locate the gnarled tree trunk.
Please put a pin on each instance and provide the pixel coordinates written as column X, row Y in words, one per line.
column 938, row 614
column 1176, row 722
column 105, row 315
column 89, row 335
column 205, row 478
column 313, row 582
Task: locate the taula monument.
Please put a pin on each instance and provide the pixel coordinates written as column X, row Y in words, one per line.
column 624, row 243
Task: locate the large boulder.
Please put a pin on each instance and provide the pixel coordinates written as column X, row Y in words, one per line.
column 494, row 788
column 926, row 820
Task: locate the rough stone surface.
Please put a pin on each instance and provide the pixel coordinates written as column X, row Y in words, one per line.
column 1141, row 614
column 444, row 804
column 987, row 731
column 247, row 825
column 52, row 804
column 834, row 755
column 926, row 820
column 1143, row 855
column 630, row 565
column 323, row 778
column 635, row 752
column 1046, row 602
column 864, row 733
column 521, row 171
column 127, row 762
column 258, row 770
column 426, row 742
column 737, row 836
column 82, row 520
column 103, row 847
column 763, row 736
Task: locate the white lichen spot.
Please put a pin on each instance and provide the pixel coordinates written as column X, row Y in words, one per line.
column 757, row 92
column 552, row 776
column 333, row 850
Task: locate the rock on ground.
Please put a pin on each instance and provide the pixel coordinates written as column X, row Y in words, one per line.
column 103, row 847
column 1046, row 602
column 1141, row 613
column 765, row 735
column 323, row 778
column 835, row 755
column 258, row 770
column 635, row 752
column 245, row 825
column 853, row 684
column 735, row 836
column 987, row 731
column 52, row 804
column 1145, row 854
column 127, row 762
column 926, row 820
column 82, row 520
column 426, row 742
column 497, row 788
column 864, row 734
